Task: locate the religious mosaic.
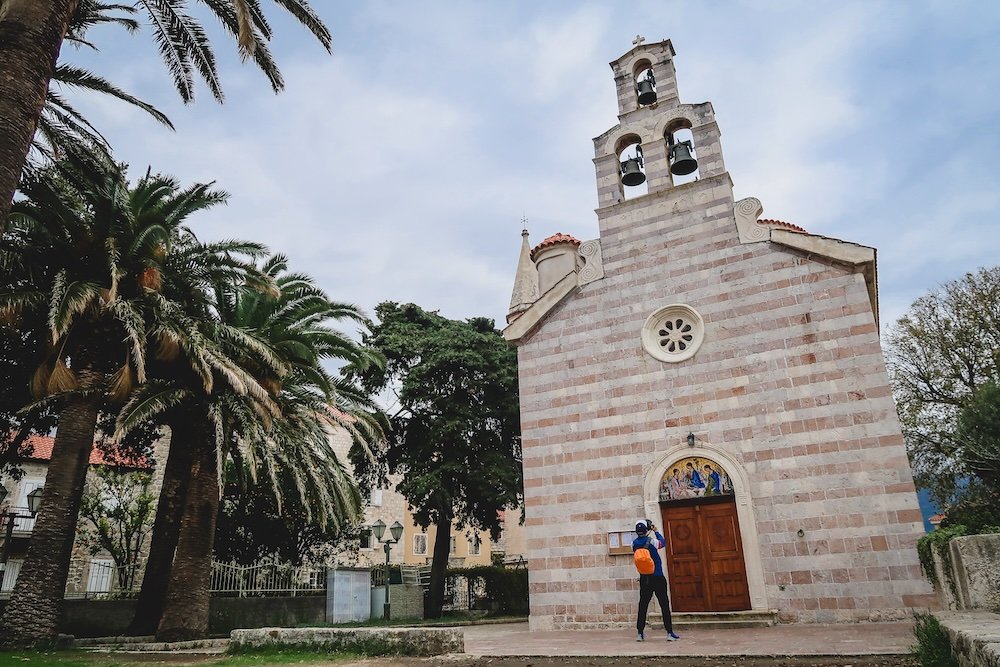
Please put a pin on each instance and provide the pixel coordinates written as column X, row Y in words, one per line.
column 695, row 477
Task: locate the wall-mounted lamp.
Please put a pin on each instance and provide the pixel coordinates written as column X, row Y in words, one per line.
column 691, row 439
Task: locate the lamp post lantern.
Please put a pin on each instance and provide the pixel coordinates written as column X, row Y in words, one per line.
column 34, row 504
column 395, row 533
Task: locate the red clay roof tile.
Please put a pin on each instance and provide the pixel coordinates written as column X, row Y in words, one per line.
column 41, row 450
column 558, row 237
column 781, row 223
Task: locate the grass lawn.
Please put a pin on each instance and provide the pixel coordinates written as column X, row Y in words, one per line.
column 90, row 659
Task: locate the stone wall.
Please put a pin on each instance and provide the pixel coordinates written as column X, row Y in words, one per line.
column 110, row 618
column 974, row 637
column 975, row 573
column 790, row 386
column 788, row 394
column 407, row 601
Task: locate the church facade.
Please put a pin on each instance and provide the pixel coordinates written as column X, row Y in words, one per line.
column 717, row 373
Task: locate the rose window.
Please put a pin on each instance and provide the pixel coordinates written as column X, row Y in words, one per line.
column 676, row 335
column 673, row 333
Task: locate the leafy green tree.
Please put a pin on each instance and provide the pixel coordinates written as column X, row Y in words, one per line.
column 940, row 354
column 117, row 515
column 979, row 434
column 32, row 35
column 456, row 435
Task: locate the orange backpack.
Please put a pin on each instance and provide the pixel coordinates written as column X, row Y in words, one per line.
column 644, row 559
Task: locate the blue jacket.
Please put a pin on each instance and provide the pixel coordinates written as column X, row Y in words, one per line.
column 657, row 544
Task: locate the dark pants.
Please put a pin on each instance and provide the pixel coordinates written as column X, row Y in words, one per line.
column 648, row 585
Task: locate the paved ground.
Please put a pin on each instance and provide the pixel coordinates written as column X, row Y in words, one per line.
column 780, row 640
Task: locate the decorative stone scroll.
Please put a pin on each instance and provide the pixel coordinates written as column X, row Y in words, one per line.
column 747, row 211
column 593, row 262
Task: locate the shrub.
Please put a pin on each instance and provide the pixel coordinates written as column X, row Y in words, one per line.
column 506, row 589
column 933, row 648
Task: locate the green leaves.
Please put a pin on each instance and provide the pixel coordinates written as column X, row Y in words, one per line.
column 940, row 354
column 457, row 430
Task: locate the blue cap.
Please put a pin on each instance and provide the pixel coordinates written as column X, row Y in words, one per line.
column 640, row 527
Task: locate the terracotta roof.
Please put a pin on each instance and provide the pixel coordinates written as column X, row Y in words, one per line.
column 781, row 223
column 41, row 450
column 558, row 237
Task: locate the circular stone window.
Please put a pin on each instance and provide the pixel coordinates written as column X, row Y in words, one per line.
column 673, row 333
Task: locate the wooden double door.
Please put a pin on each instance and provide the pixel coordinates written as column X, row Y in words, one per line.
column 705, row 555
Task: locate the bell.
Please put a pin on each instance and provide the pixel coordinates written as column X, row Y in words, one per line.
column 646, row 93
column 631, row 174
column 682, row 162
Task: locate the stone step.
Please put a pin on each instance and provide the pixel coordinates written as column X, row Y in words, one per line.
column 196, row 646
column 717, row 619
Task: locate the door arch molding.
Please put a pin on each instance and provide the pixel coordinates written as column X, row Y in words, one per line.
column 744, row 507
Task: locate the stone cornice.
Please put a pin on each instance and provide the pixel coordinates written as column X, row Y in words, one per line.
column 861, row 257
column 531, row 317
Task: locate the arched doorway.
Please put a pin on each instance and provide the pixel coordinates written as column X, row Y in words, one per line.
column 705, row 560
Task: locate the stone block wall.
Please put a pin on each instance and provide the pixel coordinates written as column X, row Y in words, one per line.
column 975, row 572
column 790, row 385
column 407, row 601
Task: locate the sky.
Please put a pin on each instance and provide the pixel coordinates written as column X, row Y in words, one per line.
column 400, row 167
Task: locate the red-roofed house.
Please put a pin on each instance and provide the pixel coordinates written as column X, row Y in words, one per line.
column 34, row 464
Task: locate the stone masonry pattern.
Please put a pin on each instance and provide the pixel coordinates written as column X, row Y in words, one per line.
column 790, row 383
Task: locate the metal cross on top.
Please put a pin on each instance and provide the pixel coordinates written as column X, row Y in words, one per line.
column 639, row 39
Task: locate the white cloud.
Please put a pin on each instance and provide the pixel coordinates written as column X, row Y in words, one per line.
column 400, row 167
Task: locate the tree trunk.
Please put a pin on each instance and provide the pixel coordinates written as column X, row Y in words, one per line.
column 35, row 609
column 439, row 567
column 31, row 34
column 185, row 609
column 166, row 527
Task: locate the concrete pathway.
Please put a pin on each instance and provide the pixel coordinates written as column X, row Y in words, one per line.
column 779, row 640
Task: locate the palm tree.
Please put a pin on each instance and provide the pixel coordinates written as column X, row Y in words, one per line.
column 33, row 32
column 93, row 257
column 61, row 128
column 253, row 326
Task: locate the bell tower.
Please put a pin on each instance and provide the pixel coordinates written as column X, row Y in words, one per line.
column 674, row 143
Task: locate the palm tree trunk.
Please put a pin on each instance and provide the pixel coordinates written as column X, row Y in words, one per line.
column 31, row 34
column 35, row 609
column 185, row 609
column 439, row 566
column 167, row 526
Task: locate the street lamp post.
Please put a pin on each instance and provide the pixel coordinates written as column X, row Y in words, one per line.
column 395, row 532
column 34, row 504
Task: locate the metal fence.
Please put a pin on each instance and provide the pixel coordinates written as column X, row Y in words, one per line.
column 267, row 580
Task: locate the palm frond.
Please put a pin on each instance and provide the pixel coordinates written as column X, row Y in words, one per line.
column 305, row 15
column 78, row 77
column 184, row 47
column 146, row 403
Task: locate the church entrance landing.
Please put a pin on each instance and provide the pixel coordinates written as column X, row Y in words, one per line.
column 704, row 554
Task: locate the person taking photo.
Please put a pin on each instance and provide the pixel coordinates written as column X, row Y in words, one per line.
column 655, row 583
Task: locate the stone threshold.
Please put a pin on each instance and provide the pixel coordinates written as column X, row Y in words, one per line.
column 718, row 619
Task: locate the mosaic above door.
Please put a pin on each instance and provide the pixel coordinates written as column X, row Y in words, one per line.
column 695, row 477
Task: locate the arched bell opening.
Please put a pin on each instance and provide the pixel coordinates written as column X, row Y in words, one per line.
column 645, row 83
column 632, row 166
column 681, row 154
